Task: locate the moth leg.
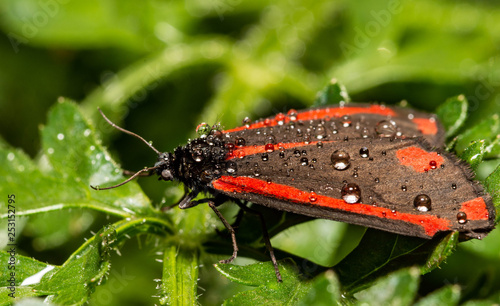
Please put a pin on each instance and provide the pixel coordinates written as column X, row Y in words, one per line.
column 239, row 218
column 212, row 205
column 187, row 202
column 184, row 202
column 265, row 236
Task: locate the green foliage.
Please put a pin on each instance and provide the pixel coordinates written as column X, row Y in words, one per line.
column 453, row 114
column 397, row 288
column 488, row 130
column 492, row 182
column 269, row 291
column 334, row 93
column 71, row 159
column 474, row 154
column 391, row 252
column 161, row 68
column 448, row 295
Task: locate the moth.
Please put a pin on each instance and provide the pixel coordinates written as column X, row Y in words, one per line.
column 371, row 165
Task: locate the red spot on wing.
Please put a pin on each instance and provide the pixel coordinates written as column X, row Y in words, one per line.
column 419, row 159
column 426, row 126
column 430, row 224
column 475, row 209
column 320, row 113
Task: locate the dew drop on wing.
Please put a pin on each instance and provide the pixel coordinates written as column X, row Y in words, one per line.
column 364, row 152
column 340, row 160
column 231, row 167
column 265, row 157
column 422, row 202
column 313, row 197
column 386, row 128
column 269, row 147
column 351, row 193
column 462, row 217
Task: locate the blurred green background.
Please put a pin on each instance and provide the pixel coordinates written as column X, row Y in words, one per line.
column 160, row 68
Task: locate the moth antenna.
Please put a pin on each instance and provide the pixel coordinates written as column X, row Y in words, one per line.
column 127, row 180
column 128, row 132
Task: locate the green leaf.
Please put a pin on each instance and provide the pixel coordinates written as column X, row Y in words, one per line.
column 325, row 290
column 25, row 268
column 76, row 279
column 397, row 288
column 453, row 114
column 488, row 130
column 262, row 276
column 446, row 296
column 390, row 252
column 97, row 25
column 474, row 154
column 492, row 300
column 492, row 185
column 321, row 241
column 21, row 293
column 72, row 159
column 333, row 93
column 180, row 276
column 438, row 253
column 82, row 272
column 89, row 266
column 493, row 149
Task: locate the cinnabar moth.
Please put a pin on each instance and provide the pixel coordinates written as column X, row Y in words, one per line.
column 370, row 165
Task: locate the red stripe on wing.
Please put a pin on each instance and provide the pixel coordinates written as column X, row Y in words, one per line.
column 319, row 113
column 241, row 152
column 430, row 224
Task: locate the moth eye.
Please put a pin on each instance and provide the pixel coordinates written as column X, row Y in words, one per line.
column 167, row 175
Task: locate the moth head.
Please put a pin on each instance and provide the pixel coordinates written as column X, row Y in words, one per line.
column 164, row 167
